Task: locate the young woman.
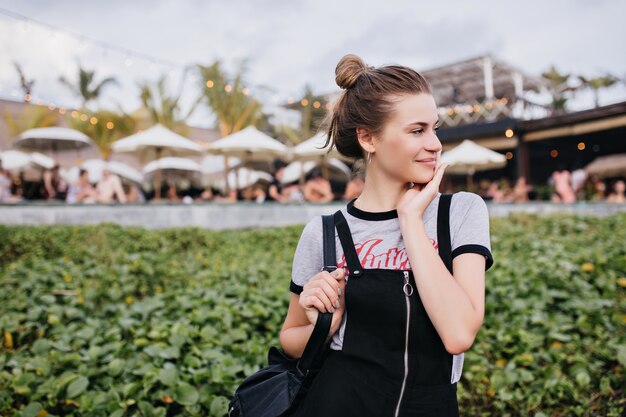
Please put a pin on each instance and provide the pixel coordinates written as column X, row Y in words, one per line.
column 401, row 320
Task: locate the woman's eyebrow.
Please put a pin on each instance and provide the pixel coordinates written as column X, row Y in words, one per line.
column 423, row 123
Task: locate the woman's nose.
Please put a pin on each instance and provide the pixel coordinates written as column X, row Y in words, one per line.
column 433, row 144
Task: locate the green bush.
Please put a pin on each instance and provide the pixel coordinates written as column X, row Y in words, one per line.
column 106, row 320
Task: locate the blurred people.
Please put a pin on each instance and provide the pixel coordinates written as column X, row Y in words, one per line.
column 5, row 188
column 206, row 195
column 134, row 194
column 617, row 195
column 81, row 191
column 294, row 192
column 494, row 193
column 521, row 190
column 230, row 198
column 254, row 193
column 110, row 188
column 54, row 187
column 579, row 177
column 353, row 188
column 275, row 191
column 564, row 193
column 317, row 189
column 172, row 195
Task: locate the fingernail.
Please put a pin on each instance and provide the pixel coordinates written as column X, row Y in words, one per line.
column 339, row 291
column 335, row 273
column 332, row 310
column 337, row 305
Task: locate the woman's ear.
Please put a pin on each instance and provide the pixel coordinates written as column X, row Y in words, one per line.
column 366, row 140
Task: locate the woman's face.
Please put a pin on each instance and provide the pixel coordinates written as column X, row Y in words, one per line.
column 408, row 149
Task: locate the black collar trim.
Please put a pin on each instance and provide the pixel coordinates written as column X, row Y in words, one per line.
column 371, row 215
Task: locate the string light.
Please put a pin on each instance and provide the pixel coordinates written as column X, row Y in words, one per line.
column 228, row 88
column 581, row 146
column 316, row 104
column 554, row 153
column 84, row 117
column 509, row 155
column 304, row 102
column 508, row 133
column 93, row 120
column 210, row 84
column 110, row 125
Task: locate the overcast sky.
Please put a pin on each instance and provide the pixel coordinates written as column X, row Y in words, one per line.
column 288, row 44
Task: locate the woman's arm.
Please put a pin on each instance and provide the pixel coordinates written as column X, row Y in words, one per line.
column 455, row 304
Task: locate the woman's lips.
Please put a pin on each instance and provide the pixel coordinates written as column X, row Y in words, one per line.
column 431, row 164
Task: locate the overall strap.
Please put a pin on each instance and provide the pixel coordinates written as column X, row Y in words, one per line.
column 345, row 237
column 443, row 230
column 330, row 256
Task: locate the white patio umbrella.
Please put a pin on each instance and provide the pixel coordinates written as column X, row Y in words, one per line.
column 213, row 165
column 608, row 166
column 96, row 166
column 245, row 178
column 296, row 170
column 155, row 143
column 469, row 157
column 14, row 160
column 249, row 145
column 173, row 169
column 312, row 148
column 53, row 139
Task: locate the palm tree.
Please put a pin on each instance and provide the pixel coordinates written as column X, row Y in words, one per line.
column 559, row 89
column 30, row 117
column 597, row 83
column 86, row 86
column 26, row 85
column 229, row 100
column 312, row 109
column 164, row 108
column 105, row 127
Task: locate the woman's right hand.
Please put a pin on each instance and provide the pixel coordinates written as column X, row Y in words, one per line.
column 325, row 293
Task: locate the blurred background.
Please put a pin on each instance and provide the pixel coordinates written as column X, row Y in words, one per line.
column 541, row 84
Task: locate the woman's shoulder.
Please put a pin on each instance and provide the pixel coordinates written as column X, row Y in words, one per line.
column 465, row 201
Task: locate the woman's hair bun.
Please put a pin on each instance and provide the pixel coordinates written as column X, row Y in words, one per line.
column 348, row 71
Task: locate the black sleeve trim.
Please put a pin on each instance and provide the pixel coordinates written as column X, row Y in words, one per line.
column 480, row 249
column 295, row 288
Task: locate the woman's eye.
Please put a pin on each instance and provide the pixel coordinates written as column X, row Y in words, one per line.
column 436, row 128
column 417, row 131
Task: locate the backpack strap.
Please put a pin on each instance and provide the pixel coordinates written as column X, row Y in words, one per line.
column 314, row 348
column 443, row 230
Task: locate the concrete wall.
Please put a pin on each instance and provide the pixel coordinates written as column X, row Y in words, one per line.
column 231, row 216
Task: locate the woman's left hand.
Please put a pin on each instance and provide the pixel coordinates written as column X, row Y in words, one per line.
column 418, row 197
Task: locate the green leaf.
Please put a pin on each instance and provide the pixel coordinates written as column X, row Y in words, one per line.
column 77, row 387
column 31, row 410
column 219, row 406
column 621, row 355
column 185, row 394
column 116, row 367
column 168, row 376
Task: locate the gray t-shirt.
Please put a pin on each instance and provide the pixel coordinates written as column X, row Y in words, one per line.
column 378, row 242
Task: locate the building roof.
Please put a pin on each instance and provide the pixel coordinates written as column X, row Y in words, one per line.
column 464, row 81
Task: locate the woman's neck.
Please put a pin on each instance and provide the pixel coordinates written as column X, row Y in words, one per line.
column 380, row 193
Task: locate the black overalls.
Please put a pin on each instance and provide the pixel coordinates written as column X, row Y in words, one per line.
column 393, row 362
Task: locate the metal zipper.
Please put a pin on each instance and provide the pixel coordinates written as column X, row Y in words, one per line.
column 408, row 291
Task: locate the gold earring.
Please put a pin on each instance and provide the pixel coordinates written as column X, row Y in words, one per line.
column 369, row 157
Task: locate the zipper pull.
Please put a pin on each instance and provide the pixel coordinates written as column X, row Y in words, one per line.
column 408, row 288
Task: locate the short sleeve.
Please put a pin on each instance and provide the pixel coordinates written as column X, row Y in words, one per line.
column 308, row 259
column 469, row 226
